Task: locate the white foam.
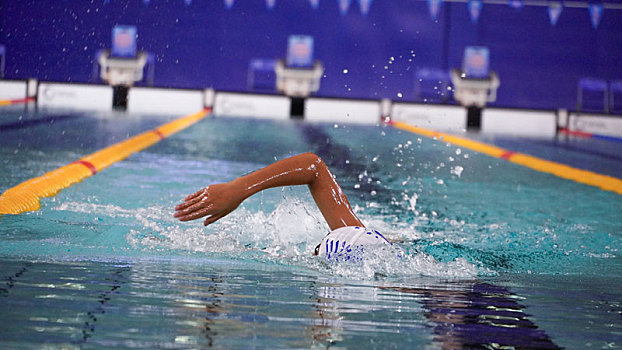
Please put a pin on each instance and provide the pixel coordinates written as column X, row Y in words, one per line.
column 393, row 262
column 286, row 235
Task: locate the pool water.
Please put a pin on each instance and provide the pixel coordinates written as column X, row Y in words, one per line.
column 490, row 253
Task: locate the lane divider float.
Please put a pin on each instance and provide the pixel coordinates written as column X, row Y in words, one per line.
column 587, row 135
column 605, row 182
column 27, row 195
column 16, row 101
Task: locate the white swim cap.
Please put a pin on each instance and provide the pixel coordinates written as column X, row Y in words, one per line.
column 347, row 242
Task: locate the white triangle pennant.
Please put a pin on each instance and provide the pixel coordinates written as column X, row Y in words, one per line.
column 364, row 6
column 555, row 10
column 475, row 9
column 596, row 14
column 435, row 8
column 344, row 6
column 517, row 4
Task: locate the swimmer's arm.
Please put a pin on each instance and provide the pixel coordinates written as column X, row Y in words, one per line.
column 216, row 201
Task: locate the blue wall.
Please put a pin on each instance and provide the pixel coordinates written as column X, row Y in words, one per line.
column 204, row 44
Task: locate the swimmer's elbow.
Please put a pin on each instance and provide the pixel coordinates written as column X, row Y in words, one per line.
column 311, row 158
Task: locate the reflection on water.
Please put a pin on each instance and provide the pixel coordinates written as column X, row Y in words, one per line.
column 479, row 315
column 199, row 303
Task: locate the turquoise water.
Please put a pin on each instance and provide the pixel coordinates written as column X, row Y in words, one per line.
column 493, row 253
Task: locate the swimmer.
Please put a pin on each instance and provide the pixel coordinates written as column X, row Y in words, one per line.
column 348, row 232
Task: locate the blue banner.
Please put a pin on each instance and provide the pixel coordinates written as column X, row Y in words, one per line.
column 517, row 4
column 475, row 9
column 344, row 6
column 270, row 4
column 364, row 6
column 596, row 13
column 229, row 4
column 315, row 4
column 555, row 10
column 435, row 8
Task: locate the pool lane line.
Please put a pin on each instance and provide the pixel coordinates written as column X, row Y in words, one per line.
column 27, row 123
column 604, row 182
column 27, row 195
column 587, row 135
column 16, row 101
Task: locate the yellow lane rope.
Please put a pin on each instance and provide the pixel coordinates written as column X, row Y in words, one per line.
column 27, row 195
column 16, row 101
column 604, row 182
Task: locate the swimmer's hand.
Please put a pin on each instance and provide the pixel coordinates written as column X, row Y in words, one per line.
column 213, row 201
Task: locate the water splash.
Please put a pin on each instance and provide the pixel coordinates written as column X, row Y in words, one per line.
column 287, row 235
column 435, row 240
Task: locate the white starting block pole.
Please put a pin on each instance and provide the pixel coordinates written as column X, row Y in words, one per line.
column 298, row 83
column 32, row 86
column 121, row 73
column 209, row 97
column 474, row 93
column 386, row 105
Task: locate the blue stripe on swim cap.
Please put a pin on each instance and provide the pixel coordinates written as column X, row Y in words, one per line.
column 380, row 234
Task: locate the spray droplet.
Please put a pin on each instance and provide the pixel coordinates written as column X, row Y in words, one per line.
column 457, row 170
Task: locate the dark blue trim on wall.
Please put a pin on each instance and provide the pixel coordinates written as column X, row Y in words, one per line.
column 205, row 45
